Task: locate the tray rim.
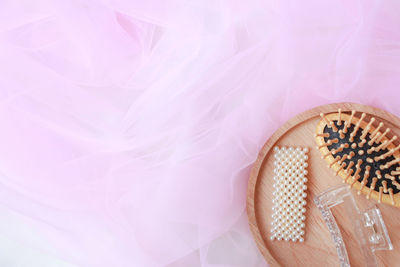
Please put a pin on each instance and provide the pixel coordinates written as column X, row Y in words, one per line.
column 292, row 122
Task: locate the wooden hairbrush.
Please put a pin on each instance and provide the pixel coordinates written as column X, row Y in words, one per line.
column 362, row 154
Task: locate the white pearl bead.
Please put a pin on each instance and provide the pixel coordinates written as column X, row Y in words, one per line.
column 289, row 196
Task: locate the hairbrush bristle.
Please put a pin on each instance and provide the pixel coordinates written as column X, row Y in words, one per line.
column 362, row 152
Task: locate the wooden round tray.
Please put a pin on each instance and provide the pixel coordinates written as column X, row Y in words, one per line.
column 318, row 248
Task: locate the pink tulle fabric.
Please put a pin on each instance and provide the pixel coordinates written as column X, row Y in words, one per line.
column 128, row 128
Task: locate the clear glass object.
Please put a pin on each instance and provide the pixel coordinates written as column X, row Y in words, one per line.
column 368, row 225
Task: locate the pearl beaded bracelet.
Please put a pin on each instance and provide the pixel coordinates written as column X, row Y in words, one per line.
column 289, row 197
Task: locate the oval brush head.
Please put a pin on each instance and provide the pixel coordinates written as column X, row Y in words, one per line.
column 362, row 154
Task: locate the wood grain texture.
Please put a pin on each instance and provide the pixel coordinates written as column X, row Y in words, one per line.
column 318, row 248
